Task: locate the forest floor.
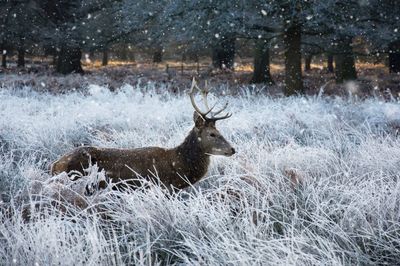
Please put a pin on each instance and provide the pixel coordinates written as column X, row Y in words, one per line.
column 373, row 79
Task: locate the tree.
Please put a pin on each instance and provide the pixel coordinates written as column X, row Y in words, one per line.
column 345, row 62
column 394, row 57
column 223, row 52
column 343, row 37
column 14, row 30
column 74, row 25
column 339, row 22
column 293, row 76
column 3, row 56
column 106, row 31
column 19, row 24
column 25, row 24
column 329, row 65
column 5, row 16
column 288, row 18
column 212, row 25
column 158, row 55
column 261, row 73
column 104, row 60
column 307, row 62
column 384, row 31
column 146, row 25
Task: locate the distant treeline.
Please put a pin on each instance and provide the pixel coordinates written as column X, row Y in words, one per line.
column 298, row 29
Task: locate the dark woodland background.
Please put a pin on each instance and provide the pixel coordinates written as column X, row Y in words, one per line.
column 295, row 45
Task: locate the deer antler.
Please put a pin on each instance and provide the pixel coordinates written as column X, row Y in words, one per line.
column 191, row 94
column 220, row 111
column 204, row 94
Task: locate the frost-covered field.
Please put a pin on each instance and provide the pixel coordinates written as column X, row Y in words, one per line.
column 314, row 182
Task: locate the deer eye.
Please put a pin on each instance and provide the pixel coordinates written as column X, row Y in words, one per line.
column 213, row 135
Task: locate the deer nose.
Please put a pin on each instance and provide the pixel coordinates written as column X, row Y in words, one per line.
column 233, row 151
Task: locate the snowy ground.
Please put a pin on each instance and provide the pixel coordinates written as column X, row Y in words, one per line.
column 315, row 181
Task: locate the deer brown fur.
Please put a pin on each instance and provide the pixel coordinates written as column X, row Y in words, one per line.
column 189, row 160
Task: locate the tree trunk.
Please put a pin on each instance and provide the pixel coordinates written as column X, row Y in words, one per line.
column 104, row 62
column 330, row 63
column 131, row 56
column 21, row 57
column 293, row 74
column 4, row 58
column 261, row 73
column 69, row 60
column 394, row 57
column 307, row 63
column 55, row 59
column 157, row 56
column 21, row 53
column 345, row 63
column 124, row 53
column 223, row 54
column 215, row 58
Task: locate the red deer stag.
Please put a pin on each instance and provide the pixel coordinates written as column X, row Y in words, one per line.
column 189, row 160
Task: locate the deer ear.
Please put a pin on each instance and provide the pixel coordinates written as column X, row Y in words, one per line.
column 198, row 120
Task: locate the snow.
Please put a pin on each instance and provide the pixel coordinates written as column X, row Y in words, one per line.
column 315, row 181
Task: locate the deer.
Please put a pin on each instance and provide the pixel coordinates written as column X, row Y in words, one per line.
column 175, row 168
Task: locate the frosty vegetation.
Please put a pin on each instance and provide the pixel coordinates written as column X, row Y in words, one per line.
column 315, row 181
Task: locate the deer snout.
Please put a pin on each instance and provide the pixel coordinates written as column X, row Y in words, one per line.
column 230, row 153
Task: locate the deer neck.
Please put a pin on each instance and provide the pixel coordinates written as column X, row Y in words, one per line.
column 194, row 158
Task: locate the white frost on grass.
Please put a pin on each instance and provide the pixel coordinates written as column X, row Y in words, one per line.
column 340, row 205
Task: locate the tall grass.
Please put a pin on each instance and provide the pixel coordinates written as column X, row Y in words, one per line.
column 315, row 181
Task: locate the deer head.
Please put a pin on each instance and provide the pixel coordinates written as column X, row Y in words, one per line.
column 210, row 139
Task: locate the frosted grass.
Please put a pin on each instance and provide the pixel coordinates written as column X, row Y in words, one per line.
column 315, row 181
